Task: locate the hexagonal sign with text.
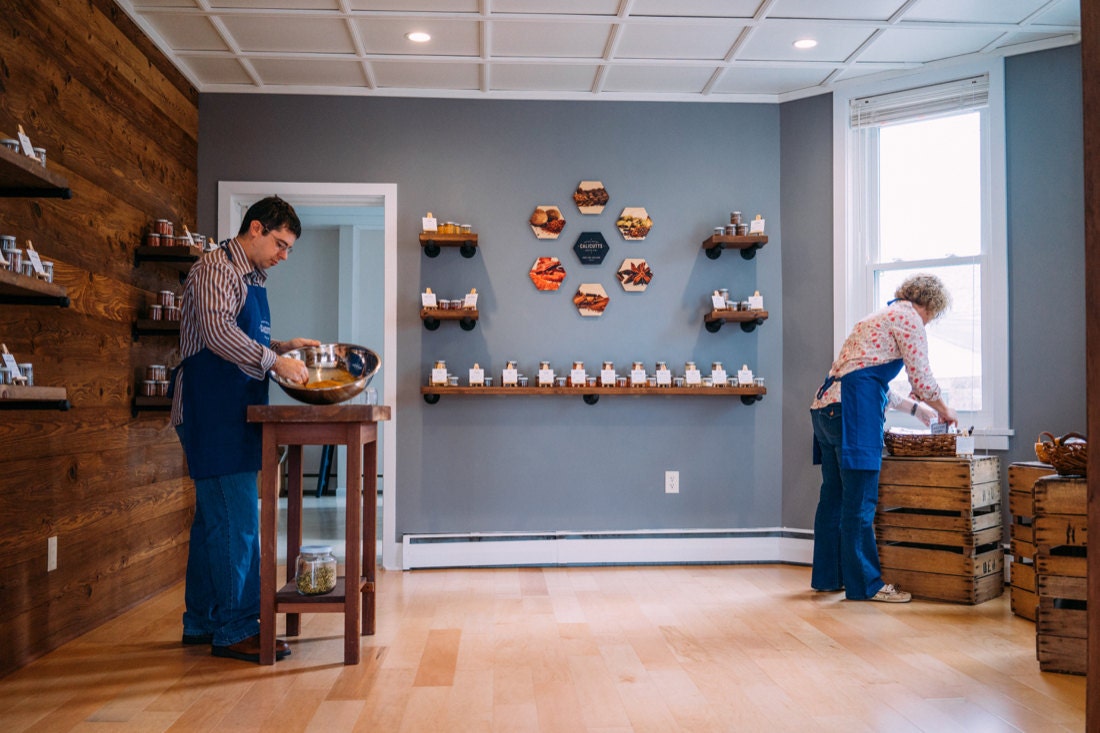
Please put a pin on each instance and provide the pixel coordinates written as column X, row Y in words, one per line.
column 591, row 248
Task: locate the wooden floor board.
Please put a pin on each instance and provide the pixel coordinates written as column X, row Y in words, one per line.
column 700, row 649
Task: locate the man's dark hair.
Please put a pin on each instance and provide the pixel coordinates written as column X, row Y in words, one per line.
column 273, row 213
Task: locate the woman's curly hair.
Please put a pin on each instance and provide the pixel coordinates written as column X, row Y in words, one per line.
column 927, row 291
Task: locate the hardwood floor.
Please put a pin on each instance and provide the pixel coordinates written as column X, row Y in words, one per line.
column 698, row 649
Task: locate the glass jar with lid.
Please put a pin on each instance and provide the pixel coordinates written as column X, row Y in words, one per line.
column 316, row 570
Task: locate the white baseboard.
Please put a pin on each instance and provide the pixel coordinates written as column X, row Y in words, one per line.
column 642, row 547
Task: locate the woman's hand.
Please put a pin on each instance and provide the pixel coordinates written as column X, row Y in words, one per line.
column 926, row 414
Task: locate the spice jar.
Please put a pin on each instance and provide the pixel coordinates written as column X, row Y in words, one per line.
column 578, row 365
column 40, row 153
column 316, row 573
column 156, row 312
column 735, row 217
column 27, row 370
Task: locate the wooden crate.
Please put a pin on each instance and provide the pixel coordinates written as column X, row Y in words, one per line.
column 1022, row 475
column 1065, row 654
column 947, row 561
column 949, row 528
column 1025, row 603
column 950, row 588
column 953, row 471
column 1022, row 575
column 1061, row 495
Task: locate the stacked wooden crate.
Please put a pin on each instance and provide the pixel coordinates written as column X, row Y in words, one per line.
column 939, row 527
column 1061, row 573
column 1021, row 503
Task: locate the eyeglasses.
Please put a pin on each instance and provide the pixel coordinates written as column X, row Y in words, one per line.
column 284, row 248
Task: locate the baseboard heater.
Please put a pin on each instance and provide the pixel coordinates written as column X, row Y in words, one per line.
column 641, row 547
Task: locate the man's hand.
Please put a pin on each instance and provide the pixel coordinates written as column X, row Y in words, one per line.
column 297, row 343
column 292, row 370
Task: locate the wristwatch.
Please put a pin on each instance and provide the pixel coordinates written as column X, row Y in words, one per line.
column 914, row 410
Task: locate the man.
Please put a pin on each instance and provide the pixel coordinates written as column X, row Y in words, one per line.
column 227, row 352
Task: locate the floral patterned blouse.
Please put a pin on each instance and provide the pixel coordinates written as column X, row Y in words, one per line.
column 895, row 332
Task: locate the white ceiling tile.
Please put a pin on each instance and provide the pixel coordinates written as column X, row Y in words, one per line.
column 449, row 38
column 414, row 6
column 1018, row 39
column 923, row 45
column 289, row 33
column 696, row 8
column 767, row 81
column 535, row 77
column 310, row 73
column 878, row 10
column 218, row 70
column 986, row 11
column 1067, row 12
column 561, row 7
column 548, row 39
column 426, row 75
column 677, row 40
column 188, row 32
column 274, row 4
column 835, row 42
column 665, row 79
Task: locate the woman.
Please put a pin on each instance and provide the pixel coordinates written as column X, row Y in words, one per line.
column 848, row 417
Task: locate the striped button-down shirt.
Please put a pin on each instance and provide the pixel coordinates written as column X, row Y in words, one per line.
column 213, row 296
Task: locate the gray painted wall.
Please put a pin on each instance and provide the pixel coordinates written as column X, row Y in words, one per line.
column 493, row 464
column 806, row 169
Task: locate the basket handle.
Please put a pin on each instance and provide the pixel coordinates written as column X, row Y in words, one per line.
column 1062, row 440
column 1049, row 438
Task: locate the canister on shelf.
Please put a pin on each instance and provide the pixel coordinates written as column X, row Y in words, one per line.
column 166, row 298
column 27, row 370
column 156, row 312
column 172, row 313
column 162, row 388
column 152, row 239
column 735, row 217
column 7, row 241
column 47, row 271
column 315, row 572
column 15, row 260
column 742, row 230
column 148, row 388
column 11, row 144
column 40, row 153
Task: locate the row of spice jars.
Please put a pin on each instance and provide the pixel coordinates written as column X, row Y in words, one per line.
column 14, row 145
column 23, row 371
column 167, row 308
column 155, row 383
column 751, row 302
column 636, row 376
column 12, row 260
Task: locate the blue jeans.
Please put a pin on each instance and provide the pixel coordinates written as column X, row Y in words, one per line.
column 845, row 553
column 222, row 596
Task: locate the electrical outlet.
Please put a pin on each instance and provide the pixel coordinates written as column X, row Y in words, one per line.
column 672, row 482
column 51, row 554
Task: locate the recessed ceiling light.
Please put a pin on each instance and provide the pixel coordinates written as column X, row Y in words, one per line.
column 418, row 37
column 805, row 43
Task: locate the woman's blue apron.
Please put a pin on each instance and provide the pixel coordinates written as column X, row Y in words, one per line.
column 864, row 395
column 216, row 435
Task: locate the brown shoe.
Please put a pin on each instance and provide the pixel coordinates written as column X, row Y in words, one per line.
column 248, row 650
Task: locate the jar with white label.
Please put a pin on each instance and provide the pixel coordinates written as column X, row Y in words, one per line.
column 316, row 570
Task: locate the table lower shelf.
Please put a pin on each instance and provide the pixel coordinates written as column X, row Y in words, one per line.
column 289, row 600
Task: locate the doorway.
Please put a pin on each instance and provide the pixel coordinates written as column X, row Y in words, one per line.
column 324, row 202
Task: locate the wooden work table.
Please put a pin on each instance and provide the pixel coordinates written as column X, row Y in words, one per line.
column 354, row 426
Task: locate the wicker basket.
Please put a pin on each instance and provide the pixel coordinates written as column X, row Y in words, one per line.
column 1068, row 459
column 919, row 444
column 1043, row 446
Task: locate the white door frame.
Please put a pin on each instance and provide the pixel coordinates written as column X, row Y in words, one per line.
column 235, row 196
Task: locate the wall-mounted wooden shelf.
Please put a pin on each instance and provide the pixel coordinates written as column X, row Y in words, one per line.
column 17, row 397
column 466, row 317
column 749, row 319
column 748, row 244
column 591, row 395
column 432, row 241
column 180, row 259
column 149, row 327
column 23, row 177
column 16, row 289
column 142, row 403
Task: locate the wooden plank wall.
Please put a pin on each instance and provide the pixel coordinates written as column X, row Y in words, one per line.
column 121, row 124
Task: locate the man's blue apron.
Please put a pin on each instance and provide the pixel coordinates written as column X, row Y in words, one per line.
column 216, row 435
column 864, row 395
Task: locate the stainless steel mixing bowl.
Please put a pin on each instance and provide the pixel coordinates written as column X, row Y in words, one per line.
column 331, row 361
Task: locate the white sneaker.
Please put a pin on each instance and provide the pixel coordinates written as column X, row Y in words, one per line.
column 889, row 594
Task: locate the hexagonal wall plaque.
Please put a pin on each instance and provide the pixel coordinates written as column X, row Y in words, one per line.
column 634, row 223
column 590, row 197
column 591, row 248
column 634, row 274
column 546, row 222
column 547, row 273
column 591, row 299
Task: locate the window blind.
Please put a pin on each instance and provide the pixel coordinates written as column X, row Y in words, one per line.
column 961, row 95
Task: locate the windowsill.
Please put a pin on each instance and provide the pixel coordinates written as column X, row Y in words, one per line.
column 992, row 438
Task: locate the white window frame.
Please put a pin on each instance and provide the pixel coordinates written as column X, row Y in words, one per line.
column 853, row 285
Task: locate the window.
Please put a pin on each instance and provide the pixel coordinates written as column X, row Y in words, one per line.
column 920, row 163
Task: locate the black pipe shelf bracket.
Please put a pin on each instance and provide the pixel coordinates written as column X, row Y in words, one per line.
column 748, row 244
column 433, row 242
column 749, row 395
